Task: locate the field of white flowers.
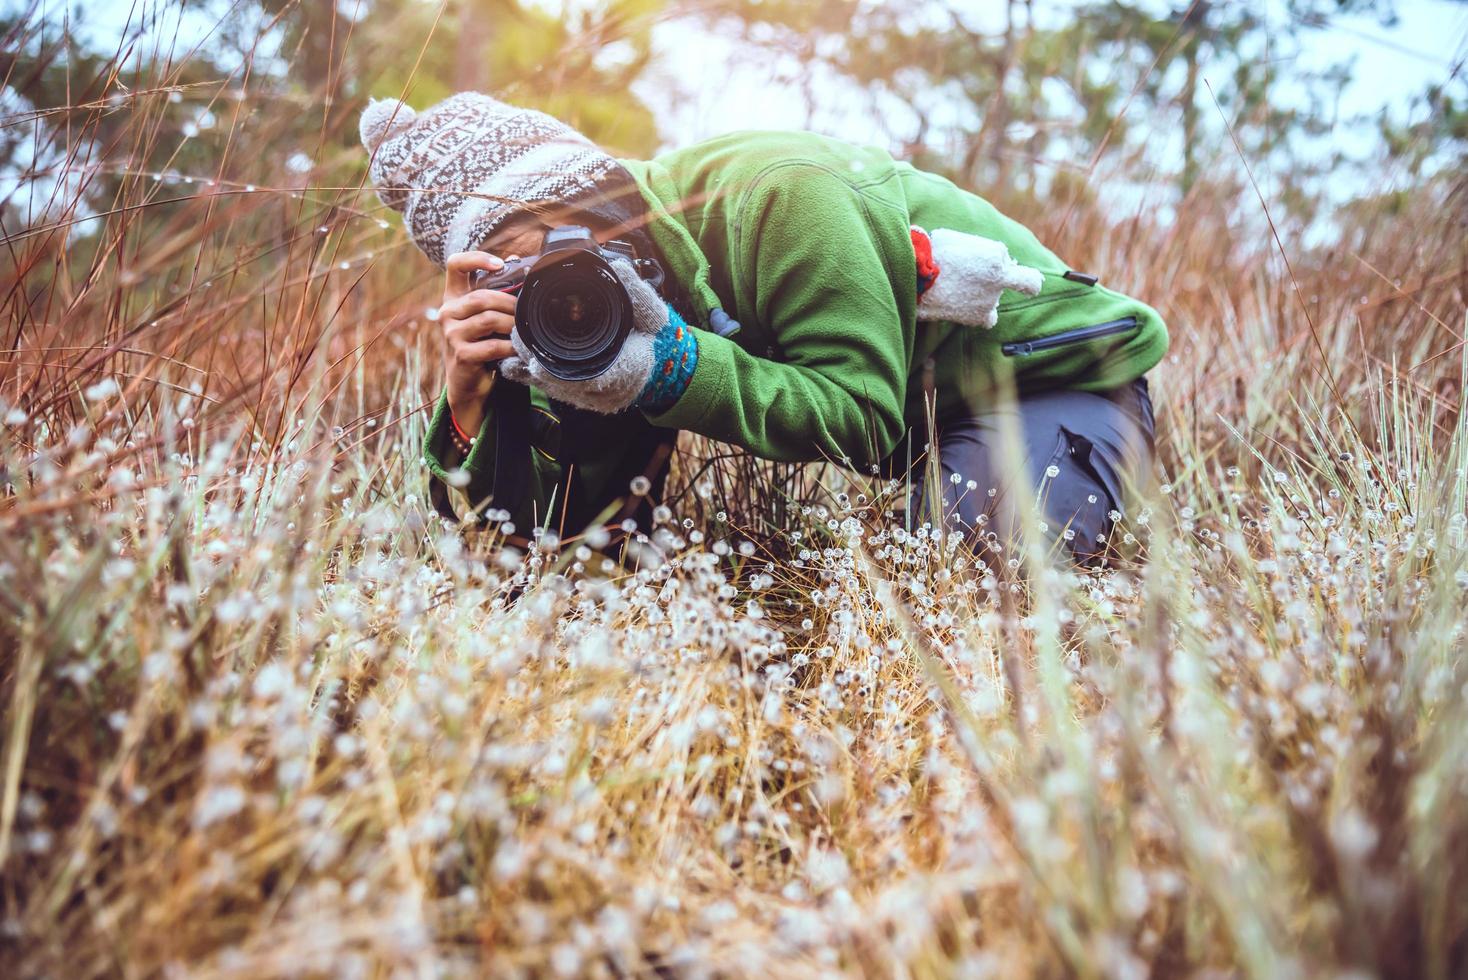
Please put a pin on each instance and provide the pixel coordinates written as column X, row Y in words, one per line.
column 271, row 717
column 265, row 714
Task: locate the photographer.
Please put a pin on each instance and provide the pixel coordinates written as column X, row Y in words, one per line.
column 816, row 294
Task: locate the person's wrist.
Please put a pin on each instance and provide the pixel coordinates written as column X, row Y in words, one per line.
column 464, row 423
column 466, row 403
column 459, row 439
column 675, row 357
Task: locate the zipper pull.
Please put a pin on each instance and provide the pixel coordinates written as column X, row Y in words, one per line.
column 1084, row 278
column 722, row 323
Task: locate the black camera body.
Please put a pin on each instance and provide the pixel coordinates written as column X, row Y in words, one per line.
column 572, row 311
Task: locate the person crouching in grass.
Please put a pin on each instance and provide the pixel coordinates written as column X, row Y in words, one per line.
column 817, row 295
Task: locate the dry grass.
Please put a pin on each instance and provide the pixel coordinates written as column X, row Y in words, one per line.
column 264, row 715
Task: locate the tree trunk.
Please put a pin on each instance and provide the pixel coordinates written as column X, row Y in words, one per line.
column 1195, row 22
column 988, row 143
column 470, row 72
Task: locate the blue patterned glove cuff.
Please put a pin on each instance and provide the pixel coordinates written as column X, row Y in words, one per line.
column 674, row 356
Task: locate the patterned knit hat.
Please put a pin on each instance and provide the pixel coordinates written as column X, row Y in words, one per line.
column 459, row 169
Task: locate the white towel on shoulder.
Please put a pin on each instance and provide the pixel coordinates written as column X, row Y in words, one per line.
column 972, row 272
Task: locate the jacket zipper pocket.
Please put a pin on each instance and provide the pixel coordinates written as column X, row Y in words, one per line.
column 1030, row 302
column 1024, row 348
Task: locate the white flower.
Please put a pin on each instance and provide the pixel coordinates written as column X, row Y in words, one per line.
column 1353, row 835
column 218, row 803
column 271, row 681
column 105, row 388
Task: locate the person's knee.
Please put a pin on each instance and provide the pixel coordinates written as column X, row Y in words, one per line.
column 1074, row 500
column 1072, row 505
column 1078, row 449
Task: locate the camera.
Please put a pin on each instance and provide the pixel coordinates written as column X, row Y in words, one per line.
column 573, row 312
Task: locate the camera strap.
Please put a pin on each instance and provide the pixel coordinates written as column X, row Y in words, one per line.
column 510, row 405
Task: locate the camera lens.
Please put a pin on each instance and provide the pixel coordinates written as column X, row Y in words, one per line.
column 573, row 314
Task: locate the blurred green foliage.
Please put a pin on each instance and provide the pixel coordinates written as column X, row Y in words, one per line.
column 325, row 58
column 577, row 64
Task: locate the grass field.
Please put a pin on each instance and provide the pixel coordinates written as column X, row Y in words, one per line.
column 265, row 715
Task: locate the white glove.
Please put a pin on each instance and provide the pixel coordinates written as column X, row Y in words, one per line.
column 618, row 386
column 973, row 271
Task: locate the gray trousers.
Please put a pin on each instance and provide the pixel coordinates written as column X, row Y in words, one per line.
column 1080, row 452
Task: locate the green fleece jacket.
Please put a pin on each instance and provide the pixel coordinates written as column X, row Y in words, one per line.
column 804, row 241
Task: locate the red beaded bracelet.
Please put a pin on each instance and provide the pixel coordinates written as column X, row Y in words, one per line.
column 461, row 439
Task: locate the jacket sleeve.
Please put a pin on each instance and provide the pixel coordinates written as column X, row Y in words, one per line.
column 820, row 285
column 478, row 467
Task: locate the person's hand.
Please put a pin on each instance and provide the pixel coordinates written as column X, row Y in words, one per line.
column 476, row 325
column 658, row 335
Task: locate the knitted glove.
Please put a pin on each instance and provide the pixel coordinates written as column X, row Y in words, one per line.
column 651, row 371
column 960, row 276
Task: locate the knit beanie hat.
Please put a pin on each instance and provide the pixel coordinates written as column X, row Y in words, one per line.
column 459, row 169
